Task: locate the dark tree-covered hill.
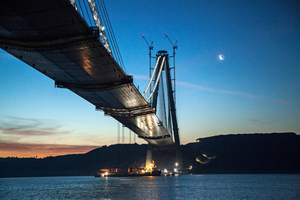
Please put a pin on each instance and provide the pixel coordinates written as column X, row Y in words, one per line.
column 239, row 153
column 249, row 153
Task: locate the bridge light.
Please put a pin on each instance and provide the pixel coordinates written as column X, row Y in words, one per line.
column 176, row 164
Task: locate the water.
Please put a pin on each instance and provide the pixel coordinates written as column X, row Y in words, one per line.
column 178, row 187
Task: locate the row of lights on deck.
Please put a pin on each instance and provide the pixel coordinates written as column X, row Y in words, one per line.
column 97, row 21
column 99, row 25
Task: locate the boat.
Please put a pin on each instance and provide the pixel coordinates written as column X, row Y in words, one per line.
column 128, row 172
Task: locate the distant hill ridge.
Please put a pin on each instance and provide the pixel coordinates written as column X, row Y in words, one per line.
column 251, row 153
column 236, row 153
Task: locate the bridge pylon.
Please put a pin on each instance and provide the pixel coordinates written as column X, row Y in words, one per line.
column 162, row 100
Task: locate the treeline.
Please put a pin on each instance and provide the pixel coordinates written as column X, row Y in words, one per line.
column 249, row 153
column 239, row 153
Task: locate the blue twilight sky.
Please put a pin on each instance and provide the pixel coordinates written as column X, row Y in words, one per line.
column 254, row 89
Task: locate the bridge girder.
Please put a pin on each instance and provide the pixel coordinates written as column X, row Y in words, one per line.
column 48, row 45
column 75, row 59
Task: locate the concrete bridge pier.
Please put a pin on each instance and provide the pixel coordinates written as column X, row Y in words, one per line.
column 149, row 156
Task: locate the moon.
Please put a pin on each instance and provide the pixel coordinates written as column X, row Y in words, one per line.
column 221, row 57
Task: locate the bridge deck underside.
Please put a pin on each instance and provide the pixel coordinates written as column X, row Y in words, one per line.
column 52, row 37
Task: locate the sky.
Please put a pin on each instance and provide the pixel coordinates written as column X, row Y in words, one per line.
column 254, row 89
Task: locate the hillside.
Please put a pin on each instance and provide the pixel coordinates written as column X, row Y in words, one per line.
column 240, row 153
column 249, row 153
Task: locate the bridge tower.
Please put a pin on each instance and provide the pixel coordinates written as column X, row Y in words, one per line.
column 162, row 100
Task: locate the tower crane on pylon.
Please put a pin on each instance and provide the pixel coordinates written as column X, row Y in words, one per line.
column 150, row 46
column 174, row 45
column 174, row 48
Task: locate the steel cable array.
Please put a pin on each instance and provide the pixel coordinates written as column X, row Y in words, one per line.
column 95, row 14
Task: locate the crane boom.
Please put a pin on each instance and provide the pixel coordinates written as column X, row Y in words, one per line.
column 174, row 45
column 150, row 46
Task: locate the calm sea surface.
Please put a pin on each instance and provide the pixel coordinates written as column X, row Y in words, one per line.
column 177, row 187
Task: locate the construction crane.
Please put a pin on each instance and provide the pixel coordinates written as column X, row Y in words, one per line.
column 150, row 46
column 174, row 48
column 174, row 45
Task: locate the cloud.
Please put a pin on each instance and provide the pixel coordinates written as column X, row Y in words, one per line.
column 29, row 127
column 207, row 89
column 40, row 150
column 283, row 101
column 9, row 146
column 220, row 91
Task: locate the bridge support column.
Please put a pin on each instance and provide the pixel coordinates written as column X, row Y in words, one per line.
column 179, row 163
column 149, row 156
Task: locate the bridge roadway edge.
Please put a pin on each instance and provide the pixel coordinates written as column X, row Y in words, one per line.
column 77, row 59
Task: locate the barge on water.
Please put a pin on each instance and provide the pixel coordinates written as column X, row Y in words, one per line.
column 128, row 172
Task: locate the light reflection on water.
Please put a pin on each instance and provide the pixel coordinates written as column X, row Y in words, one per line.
column 178, row 187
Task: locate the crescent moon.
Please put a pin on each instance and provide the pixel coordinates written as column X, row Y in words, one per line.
column 221, row 57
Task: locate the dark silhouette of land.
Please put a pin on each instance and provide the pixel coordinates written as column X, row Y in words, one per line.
column 240, row 153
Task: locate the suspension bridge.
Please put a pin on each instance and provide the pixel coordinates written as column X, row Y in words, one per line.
column 72, row 42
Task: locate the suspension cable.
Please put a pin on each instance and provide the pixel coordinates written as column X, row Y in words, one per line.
column 118, row 145
column 94, row 12
column 101, row 12
column 73, row 2
column 112, row 36
column 130, row 159
column 150, row 81
column 99, row 24
column 157, row 80
column 81, row 9
column 84, row 3
column 163, row 103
